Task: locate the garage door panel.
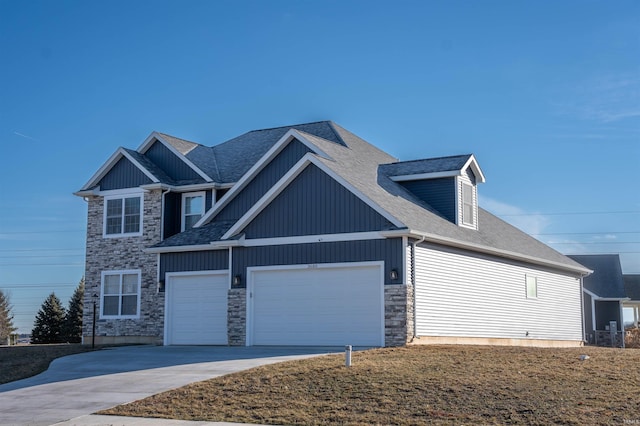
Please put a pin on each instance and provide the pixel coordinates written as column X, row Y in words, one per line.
column 324, row 306
column 197, row 310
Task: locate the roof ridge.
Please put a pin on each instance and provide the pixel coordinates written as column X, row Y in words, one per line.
column 289, row 126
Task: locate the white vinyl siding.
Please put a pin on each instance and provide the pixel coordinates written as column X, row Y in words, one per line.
column 463, row 296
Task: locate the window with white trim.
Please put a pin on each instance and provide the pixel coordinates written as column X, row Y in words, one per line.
column 192, row 209
column 468, row 218
column 532, row 287
column 123, row 215
column 120, row 294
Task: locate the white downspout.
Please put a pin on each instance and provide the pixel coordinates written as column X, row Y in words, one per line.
column 413, row 283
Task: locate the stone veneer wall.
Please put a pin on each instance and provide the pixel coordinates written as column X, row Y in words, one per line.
column 237, row 317
column 111, row 254
column 398, row 314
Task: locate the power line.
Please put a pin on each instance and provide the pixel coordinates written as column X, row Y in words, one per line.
column 45, row 249
column 42, row 256
column 41, row 264
column 595, row 242
column 569, row 213
column 41, row 232
column 588, row 233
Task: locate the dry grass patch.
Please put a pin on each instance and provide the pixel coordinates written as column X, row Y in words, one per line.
column 20, row 362
column 418, row 385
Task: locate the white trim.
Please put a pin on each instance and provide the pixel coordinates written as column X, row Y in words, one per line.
column 309, row 239
column 526, row 285
column 471, row 162
column 257, row 167
column 605, row 299
column 214, row 245
column 183, row 188
column 250, row 284
column 186, row 195
column 122, row 195
column 120, row 273
column 474, row 205
column 157, row 136
column 405, row 246
column 423, row 176
column 168, row 277
column 593, row 313
column 108, row 165
column 437, row 239
column 276, row 189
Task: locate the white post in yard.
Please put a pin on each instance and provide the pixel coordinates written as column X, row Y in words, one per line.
column 347, row 355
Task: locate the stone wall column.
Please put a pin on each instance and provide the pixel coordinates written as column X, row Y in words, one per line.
column 237, row 317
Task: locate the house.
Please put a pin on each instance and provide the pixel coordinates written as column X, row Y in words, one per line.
column 604, row 294
column 632, row 290
column 309, row 235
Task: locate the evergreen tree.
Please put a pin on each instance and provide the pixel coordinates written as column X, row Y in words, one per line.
column 49, row 322
column 72, row 331
column 6, row 318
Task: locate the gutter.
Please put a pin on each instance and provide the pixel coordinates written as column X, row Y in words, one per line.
column 214, row 245
column 583, row 272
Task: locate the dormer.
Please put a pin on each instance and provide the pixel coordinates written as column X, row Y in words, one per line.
column 448, row 184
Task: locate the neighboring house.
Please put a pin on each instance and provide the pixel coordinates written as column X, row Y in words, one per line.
column 632, row 289
column 604, row 294
column 309, row 235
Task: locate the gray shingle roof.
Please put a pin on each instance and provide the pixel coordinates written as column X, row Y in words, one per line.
column 368, row 170
column 430, row 165
column 632, row 286
column 150, row 166
column 606, row 280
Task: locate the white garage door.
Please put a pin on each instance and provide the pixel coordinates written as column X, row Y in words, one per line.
column 319, row 306
column 197, row 309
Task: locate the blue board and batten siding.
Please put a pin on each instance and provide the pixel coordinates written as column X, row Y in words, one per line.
column 388, row 250
column 438, row 193
column 265, row 179
column 607, row 310
column 124, row 174
column 173, row 166
column 315, row 204
column 213, row 260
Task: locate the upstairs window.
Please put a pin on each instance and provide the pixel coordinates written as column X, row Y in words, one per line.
column 468, row 217
column 120, row 294
column 192, row 209
column 123, row 216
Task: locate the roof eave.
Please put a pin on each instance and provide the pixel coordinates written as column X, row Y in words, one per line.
column 583, row 272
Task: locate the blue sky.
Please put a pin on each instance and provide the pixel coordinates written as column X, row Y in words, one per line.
column 545, row 94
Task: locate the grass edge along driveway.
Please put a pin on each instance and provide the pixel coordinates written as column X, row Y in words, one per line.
column 418, row 385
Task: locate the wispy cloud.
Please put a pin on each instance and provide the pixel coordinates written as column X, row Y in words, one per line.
column 605, row 98
column 22, row 135
column 529, row 222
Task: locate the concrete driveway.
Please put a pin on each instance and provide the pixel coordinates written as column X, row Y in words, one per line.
column 82, row 384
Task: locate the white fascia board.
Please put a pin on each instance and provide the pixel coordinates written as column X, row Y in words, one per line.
column 155, row 136
column 422, row 176
column 256, row 168
column 583, row 272
column 309, row 158
column 217, row 245
column 475, row 167
column 310, row 239
column 181, row 188
column 590, row 293
column 106, row 167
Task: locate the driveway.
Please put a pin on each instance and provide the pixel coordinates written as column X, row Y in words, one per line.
column 82, row 384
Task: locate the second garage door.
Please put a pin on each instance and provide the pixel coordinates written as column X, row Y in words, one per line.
column 321, row 305
column 197, row 309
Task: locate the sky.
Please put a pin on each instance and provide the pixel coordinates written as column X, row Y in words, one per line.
column 545, row 94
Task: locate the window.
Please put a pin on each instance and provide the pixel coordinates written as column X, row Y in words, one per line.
column 120, row 294
column 468, row 218
column 192, row 209
column 532, row 287
column 123, row 215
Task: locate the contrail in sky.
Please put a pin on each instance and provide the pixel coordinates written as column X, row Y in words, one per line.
column 25, row 136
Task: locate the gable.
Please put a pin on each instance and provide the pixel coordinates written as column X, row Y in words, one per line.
column 123, row 174
column 171, row 164
column 315, row 204
column 263, row 181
